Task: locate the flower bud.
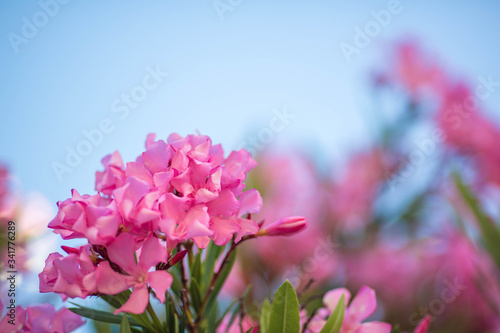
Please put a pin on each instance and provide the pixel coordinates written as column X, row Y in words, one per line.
column 284, row 227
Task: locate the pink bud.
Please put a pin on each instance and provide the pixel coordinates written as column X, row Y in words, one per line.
column 423, row 326
column 285, row 227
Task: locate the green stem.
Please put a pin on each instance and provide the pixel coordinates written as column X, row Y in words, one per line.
column 156, row 321
column 216, row 276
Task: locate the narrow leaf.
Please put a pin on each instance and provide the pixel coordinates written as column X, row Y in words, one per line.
column 265, row 316
column 334, row 323
column 285, row 315
column 124, row 325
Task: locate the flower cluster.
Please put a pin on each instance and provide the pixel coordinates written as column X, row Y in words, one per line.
column 178, row 191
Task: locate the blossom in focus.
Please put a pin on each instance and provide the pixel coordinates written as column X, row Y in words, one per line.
column 121, row 253
column 41, row 319
column 71, row 275
column 360, row 308
column 183, row 188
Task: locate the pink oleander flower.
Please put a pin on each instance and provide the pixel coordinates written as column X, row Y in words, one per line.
column 416, row 71
column 361, row 307
column 93, row 217
column 284, row 227
column 71, row 275
column 354, row 191
column 8, row 202
column 183, row 188
column 121, row 252
column 41, row 319
column 468, row 131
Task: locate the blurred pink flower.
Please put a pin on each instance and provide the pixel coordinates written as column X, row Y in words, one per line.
column 41, row 319
column 246, row 324
column 424, row 325
column 361, row 307
column 354, row 191
column 468, row 131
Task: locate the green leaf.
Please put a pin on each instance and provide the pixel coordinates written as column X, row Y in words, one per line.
column 265, row 316
column 176, row 286
column 103, row 316
column 334, row 323
column 489, row 231
column 249, row 330
column 285, row 310
column 124, row 325
column 111, row 300
column 211, row 317
column 195, row 268
column 195, row 294
column 212, row 253
column 222, row 279
column 219, row 321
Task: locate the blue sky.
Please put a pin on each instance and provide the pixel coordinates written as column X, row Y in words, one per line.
column 226, row 77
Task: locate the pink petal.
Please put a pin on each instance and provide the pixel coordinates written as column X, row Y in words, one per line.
column 66, row 321
column 152, row 253
column 138, row 170
column 137, row 302
column 331, row 298
column 374, row 327
column 160, row 281
column 150, row 139
column 182, row 183
column 247, row 227
column 162, row 180
column 157, row 156
column 108, row 281
column 250, row 201
column 226, row 204
column 239, row 162
column 121, row 251
column 223, row 230
column 196, row 222
column 363, row 305
column 179, row 161
column 174, row 207
column 201, row 242
column 204, row 195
